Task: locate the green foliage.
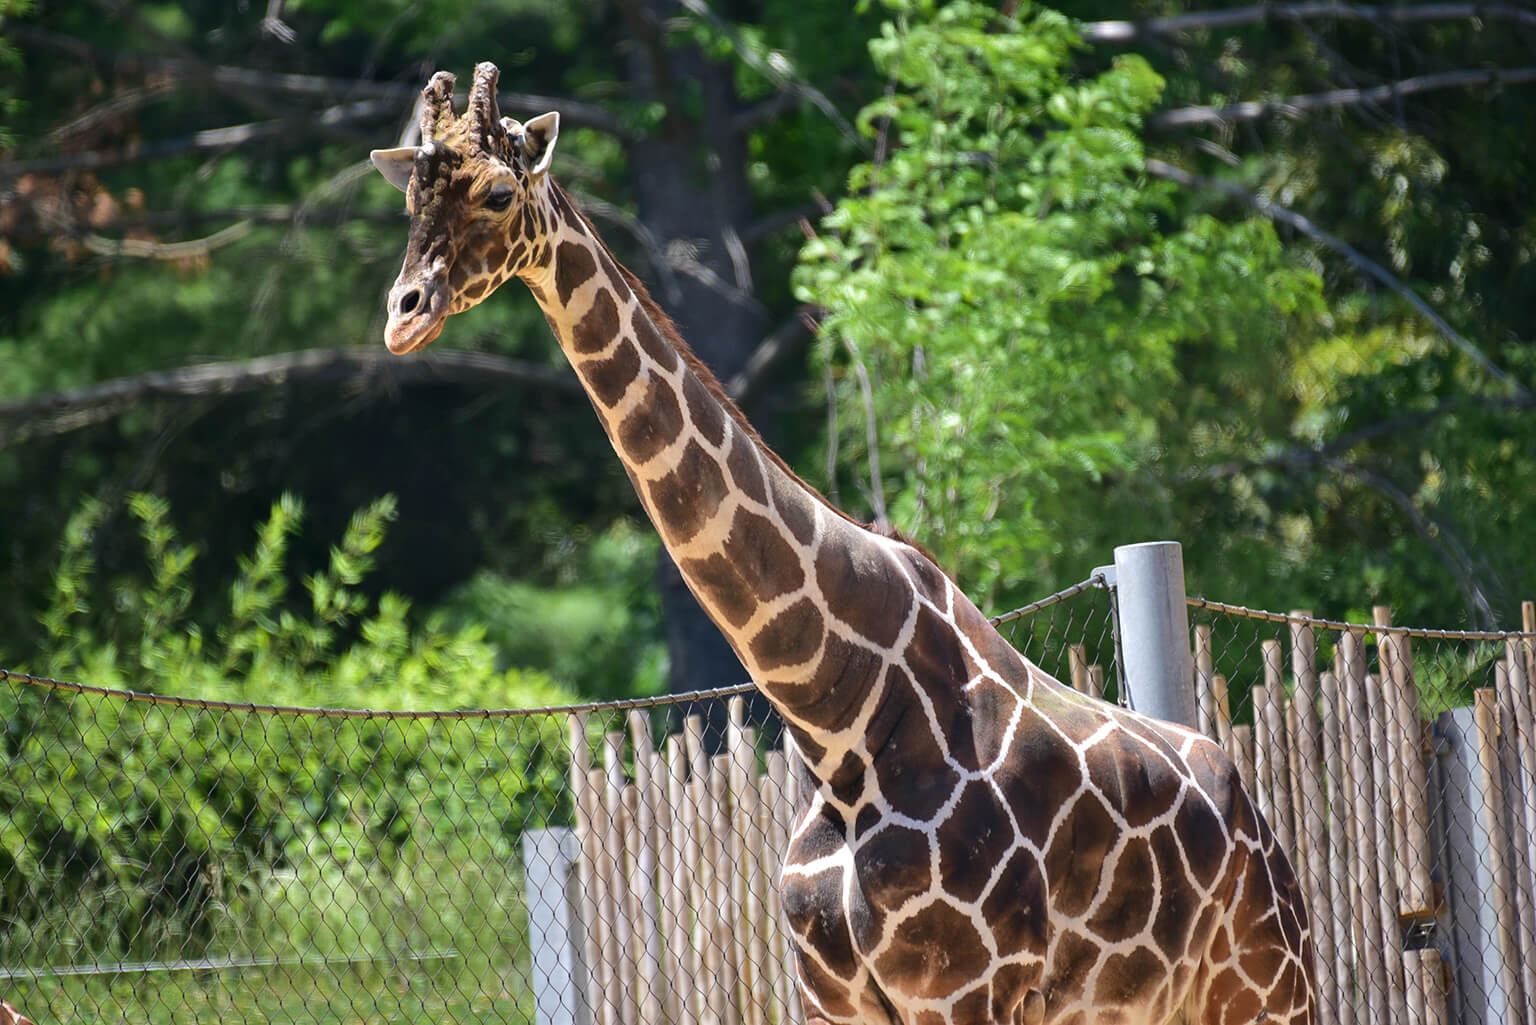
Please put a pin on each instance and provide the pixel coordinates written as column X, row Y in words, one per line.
column 1020, row 296
column 591, row 621
column 172, row 808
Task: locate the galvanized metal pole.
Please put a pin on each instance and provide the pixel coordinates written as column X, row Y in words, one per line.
column 1154, row 630
column 555, row 927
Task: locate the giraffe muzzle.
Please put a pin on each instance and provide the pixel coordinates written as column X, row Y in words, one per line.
column 417, row 310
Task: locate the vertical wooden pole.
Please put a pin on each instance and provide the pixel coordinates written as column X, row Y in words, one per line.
column 725, row 931
column 643, row 869
column 1315, row 868
column 1295, row 770
column 1386, row 662
column 767, row 869
column 1273, row 712
column 1366, row 879
column 1431, row 974
column 1486, row 715
column 1418, row 898
column 680, row 972
column 711, row 956
column 773, row 862
column 1077, row 667
column 1263, row 758
column 792, row 799
column 622, row 947
column 1380, row 756
column 1221, row 702
column 746, row 849
column 586, row 802
column 1242, row 753
column 1205, row 693
column 607, row 960
column 1350, row 981
column 1518, row 734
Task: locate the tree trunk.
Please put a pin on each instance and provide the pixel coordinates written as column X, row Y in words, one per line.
column 692, row 192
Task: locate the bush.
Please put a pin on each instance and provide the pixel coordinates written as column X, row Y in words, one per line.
column 168, row 813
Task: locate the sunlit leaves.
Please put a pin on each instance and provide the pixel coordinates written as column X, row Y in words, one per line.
column 1019, row 293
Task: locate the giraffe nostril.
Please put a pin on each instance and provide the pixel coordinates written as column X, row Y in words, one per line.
column 410, row 300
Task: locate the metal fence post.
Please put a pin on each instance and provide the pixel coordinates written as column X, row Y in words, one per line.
column 1471, row 945
column 1154, row 630
column 554, row 927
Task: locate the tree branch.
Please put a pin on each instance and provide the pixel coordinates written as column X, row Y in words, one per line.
column 1130, row 31
column 1437, row 534
column 572, row 112
column 787, row 339
column 777, row 69
column 1295, row 106
column 62, row 412
column 211, row 139
column 1276, row 212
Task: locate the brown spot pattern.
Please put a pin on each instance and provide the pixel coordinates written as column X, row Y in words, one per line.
column 1140, row 787
column 794, row 506
column 892, row 867
column 911, row 769
column 1129, row 979
column 1171, row 924
column 655, row 346
column 746, row 469
column 974, row 834
column 1128, row 908
column 934, row 953
column 719, row 585
column 766, row 563
column 574, row 264
column 652, row 425
column 866, row 591
column 1039, row 779
column 687, row 497
column 609, row 378
column 836, row 693
column 1016, row 909
column 790, row 639
column 1074, row 863
column 704, row 409
column 596, row 329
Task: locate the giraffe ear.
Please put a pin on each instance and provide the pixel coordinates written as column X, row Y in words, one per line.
column 395, row 165
column 539, row 136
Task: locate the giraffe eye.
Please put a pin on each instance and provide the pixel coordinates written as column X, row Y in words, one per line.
column 499, row 198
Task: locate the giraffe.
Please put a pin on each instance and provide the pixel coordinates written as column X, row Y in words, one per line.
column 981, row 844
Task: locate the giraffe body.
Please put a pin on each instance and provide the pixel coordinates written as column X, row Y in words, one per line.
column 983, row 845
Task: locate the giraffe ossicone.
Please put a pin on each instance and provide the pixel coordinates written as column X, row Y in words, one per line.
column 983, row 844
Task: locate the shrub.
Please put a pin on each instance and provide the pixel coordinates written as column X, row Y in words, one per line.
column 166, row 812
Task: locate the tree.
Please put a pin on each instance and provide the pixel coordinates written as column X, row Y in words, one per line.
column 186, row 182
column 1022, row 295
column 1329, row 455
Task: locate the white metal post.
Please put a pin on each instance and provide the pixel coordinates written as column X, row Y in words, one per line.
column 1154, row 630
column 554, row 927
column 1471, row 944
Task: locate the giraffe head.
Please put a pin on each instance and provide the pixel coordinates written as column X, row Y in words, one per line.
column 475, row 190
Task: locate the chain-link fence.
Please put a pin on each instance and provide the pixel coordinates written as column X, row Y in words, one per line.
column 1398, row 768
column 174, row 860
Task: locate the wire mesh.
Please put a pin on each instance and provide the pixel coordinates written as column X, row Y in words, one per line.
column 1398, row 769
column 175, row 860
column 169, row 859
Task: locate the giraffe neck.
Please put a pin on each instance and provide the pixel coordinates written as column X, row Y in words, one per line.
column 817, row 607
